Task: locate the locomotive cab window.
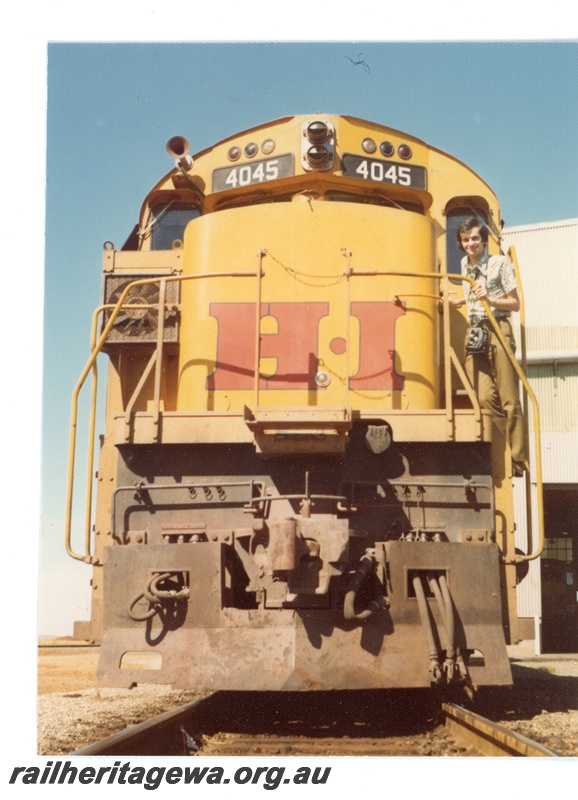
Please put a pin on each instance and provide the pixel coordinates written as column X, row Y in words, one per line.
column 252, row 200
column 374, row 200
column 169, row 224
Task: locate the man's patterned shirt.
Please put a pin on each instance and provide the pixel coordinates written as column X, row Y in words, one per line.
column 497, row 274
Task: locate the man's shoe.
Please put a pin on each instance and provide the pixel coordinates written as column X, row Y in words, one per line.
column 518, row 468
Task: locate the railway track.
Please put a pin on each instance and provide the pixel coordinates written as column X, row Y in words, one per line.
column 245, row 724
column 489, row 738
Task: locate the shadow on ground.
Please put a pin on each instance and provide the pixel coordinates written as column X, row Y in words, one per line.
column 355, row 714
column 535, row 690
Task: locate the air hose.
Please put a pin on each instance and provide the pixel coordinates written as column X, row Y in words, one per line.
column 366, row 565
column 156, row 597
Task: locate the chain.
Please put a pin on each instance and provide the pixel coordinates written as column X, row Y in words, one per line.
column 336, row 279
column 357, row 392
column 298, row 276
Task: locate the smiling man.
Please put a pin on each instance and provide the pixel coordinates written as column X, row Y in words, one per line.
column 487, row 364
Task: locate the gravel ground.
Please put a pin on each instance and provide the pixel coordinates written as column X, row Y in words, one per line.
column 543, row 704
column 68, row 721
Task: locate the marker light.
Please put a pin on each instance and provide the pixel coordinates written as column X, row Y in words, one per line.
column 251, row 150
column 268, row 146
column 387, row 149
column 404, row 151
column 369, row 145
column 234, row 153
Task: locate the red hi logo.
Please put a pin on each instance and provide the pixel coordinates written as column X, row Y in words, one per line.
column 295, row 345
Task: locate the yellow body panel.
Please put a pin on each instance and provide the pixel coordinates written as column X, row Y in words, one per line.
column 311, row 252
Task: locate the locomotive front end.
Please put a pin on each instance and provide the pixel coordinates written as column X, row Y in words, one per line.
column 290, row 497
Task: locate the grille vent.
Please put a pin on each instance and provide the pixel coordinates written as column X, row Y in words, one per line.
column 139, row 325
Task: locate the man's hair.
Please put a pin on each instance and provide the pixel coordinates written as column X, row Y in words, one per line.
column 467, row 225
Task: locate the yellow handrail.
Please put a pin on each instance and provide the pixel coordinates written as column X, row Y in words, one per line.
column 97, row 348
column 91, row 367
column 522, row 314
column 517, row 559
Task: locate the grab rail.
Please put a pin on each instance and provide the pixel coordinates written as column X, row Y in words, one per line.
column 90, row 366
column 449, row 359
column 515, row 559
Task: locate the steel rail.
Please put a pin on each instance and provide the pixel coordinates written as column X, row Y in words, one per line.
column 165, row 734
column 489, row 738
column 134, row 740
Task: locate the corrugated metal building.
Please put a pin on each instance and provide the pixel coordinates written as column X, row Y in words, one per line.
column 547, row 255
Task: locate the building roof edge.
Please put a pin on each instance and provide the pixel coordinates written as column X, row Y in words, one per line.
column 540, row 226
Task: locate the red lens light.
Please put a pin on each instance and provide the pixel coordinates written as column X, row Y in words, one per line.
column 404, row 151
column 234, row 153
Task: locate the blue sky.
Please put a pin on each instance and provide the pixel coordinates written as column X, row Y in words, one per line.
column 506, row 109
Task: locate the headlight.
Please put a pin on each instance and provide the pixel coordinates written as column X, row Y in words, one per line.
column 317, row 145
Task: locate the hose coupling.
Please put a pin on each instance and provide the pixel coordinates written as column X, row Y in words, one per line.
column 434, row 668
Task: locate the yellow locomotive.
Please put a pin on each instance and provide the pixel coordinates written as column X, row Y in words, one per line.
column 296, row 486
